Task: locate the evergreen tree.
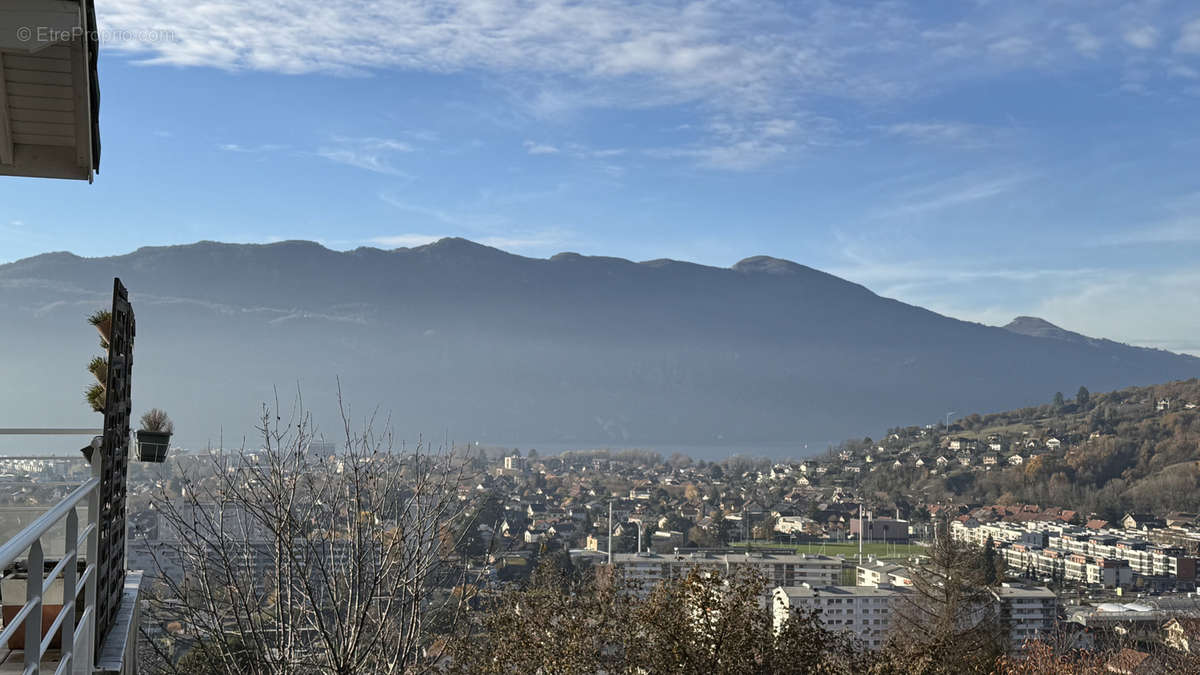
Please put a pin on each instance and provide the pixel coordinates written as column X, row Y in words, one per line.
column 947, row 621
column 989, row 562
column 1083, row 398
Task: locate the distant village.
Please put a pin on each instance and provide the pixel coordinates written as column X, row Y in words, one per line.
column 812, row 527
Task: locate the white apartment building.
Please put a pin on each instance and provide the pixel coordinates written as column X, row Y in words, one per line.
column 880, row 573
column 1103, row 572
column 1026, row 612
column 1144, row 557
column 863, row 611
column 790, row 524
column 978, row 535
column 780, row 569
column 1108, row 559
column 1047, row 561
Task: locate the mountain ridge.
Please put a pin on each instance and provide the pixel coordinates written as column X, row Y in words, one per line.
column 481, row 344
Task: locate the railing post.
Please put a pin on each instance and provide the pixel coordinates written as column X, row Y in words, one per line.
column 88, row 661
column 33, row 620
column 66, row 631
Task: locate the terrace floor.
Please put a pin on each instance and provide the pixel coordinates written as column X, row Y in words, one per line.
column 13, row 661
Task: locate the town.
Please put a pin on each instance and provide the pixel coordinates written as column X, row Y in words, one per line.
column 814, row 529
column 494, row 337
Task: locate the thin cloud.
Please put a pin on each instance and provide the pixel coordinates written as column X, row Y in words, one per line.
column 371, row 154
column 1084, row 40
column 481, row 219
column 252, row 149
column 439, row 215
column 749, row 66
column 405, row 240
column 1176, row 224
column 737, row 144
column 1114, row 306
column 1142, row 37
column 535, row 148
column 1100, row 302
column 542, row 240
column 954, row 193
column 536, row 241
column 1183, row 231
column 1189, row 38
column 955, row 134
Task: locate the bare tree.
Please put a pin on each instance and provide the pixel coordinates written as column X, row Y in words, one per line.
column 293, row 562
column 706, row 623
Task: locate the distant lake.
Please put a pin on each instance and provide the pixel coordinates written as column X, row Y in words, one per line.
column 69, row 446
column 695, row 451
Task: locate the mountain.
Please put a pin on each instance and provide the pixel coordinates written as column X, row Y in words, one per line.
column 460, row 341
column 1036, row 327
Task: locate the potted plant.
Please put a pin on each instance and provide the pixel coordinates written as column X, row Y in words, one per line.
column 96, row 394
column 102, row 320
column 155, row 436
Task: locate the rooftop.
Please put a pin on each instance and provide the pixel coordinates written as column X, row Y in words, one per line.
column 1008, row 590
column 723, row 557
column 805, row 590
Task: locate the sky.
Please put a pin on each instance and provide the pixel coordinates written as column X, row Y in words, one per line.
column 984, row 159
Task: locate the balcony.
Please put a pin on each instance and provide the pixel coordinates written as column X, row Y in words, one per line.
column 49, row 91
column 51, row 579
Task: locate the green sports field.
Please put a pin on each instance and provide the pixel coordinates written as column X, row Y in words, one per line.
column 847, row 549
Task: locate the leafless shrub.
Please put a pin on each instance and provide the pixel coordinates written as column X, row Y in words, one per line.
column 297, row 563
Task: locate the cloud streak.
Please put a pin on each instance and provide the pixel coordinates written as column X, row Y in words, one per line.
column 948, row 134
column 539, row 241
column 535, row 148
column 952, row 193
column 371, row 154
column 745, row 65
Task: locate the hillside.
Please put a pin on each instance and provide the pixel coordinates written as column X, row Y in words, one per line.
column 1136, row 449
column 465, row 342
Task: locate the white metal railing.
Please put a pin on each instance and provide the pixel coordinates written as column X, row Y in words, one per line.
column 65, row 431
column 75, row 625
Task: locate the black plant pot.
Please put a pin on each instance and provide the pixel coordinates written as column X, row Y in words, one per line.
column 152, row 446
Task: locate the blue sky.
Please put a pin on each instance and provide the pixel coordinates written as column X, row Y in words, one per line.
column 983, row 159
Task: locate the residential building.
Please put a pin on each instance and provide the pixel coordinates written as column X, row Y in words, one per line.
column 779, row 568
column 863, row 611
column 880, row 573
column 1063, row 557
column 881, row 530
column 1182, row 633
column 792, row 524
column 1026, row 612
column 1141, row 521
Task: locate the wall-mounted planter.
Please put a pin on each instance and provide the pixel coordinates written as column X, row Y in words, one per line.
column 152, row 446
